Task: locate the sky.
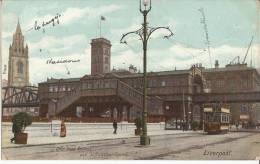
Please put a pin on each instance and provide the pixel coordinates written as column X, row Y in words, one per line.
column 230, row 27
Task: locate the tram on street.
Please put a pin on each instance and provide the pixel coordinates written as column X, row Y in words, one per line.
column 216, row 118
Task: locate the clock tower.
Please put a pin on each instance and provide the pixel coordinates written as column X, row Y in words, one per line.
column 18, row 64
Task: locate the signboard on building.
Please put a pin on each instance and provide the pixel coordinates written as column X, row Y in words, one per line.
column 244, row 117
column 208, row 110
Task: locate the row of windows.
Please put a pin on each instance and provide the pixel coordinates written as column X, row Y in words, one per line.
column 104, row 51
column 98, row 59
column 217, row 117
column 87, row 85
column 99, row 84
column 225, row 118
column 109, row 84
column 231, row 84
column 63, row 88
column 156, row 83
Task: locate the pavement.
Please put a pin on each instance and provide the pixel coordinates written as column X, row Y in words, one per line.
column 45, row 133
column 179, row 146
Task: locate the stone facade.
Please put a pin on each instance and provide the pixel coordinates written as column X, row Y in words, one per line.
column 98, row 94
column 233, row 79
column 18, row 64
column 100, row 56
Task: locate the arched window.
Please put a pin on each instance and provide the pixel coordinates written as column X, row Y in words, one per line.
column 19, row 67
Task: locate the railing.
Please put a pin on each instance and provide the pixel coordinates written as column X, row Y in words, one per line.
column 135, row 97
column 130, row 94
column 65, row 101
column 62, row 103
column 68, row 99
column 123, row 90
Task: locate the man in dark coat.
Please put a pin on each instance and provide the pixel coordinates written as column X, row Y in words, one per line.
column 183, row 125
column 237, row 124
column 15, row 131
column 114, row 126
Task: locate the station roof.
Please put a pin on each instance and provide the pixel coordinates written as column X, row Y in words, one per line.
column 162, row 73
column 128, row 74
column 120, row 74
column 53, row 80
column 228, row 68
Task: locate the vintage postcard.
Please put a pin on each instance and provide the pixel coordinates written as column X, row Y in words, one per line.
column 130, row 79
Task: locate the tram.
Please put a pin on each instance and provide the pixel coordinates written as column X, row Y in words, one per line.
column 216, row 118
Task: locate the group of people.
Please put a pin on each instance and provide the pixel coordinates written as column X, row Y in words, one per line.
column 247, row 125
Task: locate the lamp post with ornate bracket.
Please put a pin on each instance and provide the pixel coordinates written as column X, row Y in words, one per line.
column 144, row 33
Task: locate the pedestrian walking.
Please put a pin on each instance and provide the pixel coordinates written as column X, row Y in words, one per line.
column 183, row 125
column 115, row 126
column 62, row 129
column 15, row 131
column 237, row 125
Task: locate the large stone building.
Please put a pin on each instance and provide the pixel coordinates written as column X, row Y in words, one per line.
column 18, row 64
column 235, row 78
column 117, row 94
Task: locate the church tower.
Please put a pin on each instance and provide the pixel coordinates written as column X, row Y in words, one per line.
column 18, row 64
column 100, row 56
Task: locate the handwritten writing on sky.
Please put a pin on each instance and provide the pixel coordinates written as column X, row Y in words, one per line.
column 52, row 21
column 230, row 26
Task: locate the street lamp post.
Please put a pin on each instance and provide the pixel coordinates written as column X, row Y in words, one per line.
column 144, row 33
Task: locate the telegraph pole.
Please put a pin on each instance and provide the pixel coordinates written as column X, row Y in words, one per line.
column 184, row 112
column 144, row 33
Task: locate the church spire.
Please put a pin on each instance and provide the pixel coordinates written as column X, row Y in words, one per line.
column 18, row 28
column 18, row 38
column 18, row 72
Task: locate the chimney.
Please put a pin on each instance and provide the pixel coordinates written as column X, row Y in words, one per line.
column 216, row 64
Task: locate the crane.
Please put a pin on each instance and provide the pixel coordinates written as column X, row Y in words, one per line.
column 248, row 50
column 205, row 27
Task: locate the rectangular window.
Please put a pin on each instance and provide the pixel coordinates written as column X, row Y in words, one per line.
column 106, row 60
column 90, row 85
column 220, row 83
column 95, row 84
column 163, row 83
column 55, row 88
column 150, row 83
column 106, row 84
column 50, row 88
